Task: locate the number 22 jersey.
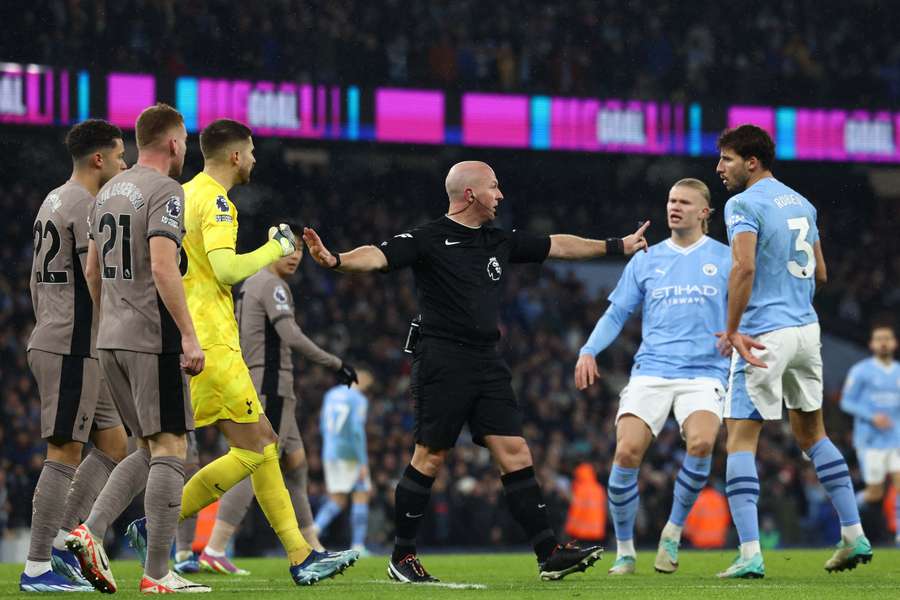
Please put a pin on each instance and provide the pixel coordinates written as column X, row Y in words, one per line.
column 785, row 225
column 66, row 320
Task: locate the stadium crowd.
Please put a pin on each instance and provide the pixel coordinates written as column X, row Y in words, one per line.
column 546, row 317
column 784, row 52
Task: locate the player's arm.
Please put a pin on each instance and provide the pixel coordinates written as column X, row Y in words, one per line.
column 627, row 296
column 740, row 286
column 358, row 260
column 605, row 331
column 230, row 267
column 167, row 277
column 291, row 334
column 851, row 397
column 572, row 247
column 217, row 225
column 821, row 269
column 91, row 268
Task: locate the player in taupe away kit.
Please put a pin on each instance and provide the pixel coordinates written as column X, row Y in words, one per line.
column 146, row 338
column 269, row 333
column 458, row 376
column 75, row 403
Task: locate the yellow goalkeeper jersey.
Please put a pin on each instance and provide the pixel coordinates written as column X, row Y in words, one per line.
column 210, row 223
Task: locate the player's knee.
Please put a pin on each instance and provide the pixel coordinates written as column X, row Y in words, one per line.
column 807, row 438
column 168, row 444
column 428, row 461
column 628, row 455
column 340, row 500
column 64, row 451
column 265, row 433
column 294, row 461
column 700, row 446
column 112, row 442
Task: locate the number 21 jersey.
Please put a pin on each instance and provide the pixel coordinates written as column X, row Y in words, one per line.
column 785, row 225
column 131, row 208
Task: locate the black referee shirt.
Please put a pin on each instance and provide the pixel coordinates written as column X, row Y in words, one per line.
column 459, row 271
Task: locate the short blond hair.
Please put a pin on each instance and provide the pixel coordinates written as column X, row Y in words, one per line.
column 154, row 123
column 699, row 186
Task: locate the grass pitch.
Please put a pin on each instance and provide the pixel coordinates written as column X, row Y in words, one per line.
column 789, row 574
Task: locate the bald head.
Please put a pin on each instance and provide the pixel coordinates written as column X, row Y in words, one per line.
column 471, row 174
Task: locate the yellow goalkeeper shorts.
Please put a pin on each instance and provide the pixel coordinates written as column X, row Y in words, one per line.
column 224, row 390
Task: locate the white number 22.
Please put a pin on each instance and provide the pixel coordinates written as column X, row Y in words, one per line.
column 801, row 226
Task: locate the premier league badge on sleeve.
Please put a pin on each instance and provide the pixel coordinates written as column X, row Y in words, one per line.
column 173, row 211
column 281, row 298
column 222, row 204
column 173, row 207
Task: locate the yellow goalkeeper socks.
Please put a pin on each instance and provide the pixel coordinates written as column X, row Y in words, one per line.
column 273, row 498
column 213, row 480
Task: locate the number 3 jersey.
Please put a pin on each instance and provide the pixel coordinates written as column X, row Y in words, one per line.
column 785, row 225
column 66, row 323
column 131, row 208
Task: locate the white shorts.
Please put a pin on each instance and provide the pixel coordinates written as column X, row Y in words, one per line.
column 651, row 399
column 344, row 476
column 876, row 463
column 793, row 376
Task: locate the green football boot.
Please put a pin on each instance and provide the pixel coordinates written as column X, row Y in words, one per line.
column 666, row 556
column 624, row 565
column 745, row 568
column 847, row 556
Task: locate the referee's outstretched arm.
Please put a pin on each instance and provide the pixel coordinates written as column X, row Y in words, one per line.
column 571, row 247
column 359, row 260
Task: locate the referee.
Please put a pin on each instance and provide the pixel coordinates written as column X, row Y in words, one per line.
column 458, row 376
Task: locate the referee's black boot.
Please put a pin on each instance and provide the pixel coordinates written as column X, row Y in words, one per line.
column 568, row 559
column 409, row 570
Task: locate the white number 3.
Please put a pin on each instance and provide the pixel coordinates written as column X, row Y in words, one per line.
column 801, row 225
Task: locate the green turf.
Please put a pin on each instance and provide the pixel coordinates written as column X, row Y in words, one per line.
column 789, row 574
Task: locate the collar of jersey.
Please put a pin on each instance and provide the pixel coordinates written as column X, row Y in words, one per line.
column 690, row 248
column 208, row 180
column 880, row 365
column 470, row 228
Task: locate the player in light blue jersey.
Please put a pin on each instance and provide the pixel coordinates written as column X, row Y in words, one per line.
column 872, row 396
column 344, row 457
column 772, row 326
column 680, row 286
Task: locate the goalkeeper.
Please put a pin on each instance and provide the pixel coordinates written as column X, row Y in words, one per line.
column 224, row 395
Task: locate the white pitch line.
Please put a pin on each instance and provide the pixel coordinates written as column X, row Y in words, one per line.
column 440, row 584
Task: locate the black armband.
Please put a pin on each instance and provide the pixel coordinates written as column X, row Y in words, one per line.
column 337, row 257
column 615, row 247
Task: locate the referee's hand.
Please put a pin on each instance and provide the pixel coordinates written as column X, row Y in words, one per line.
column 317, row 249
column 586, row 371
column 636, row 240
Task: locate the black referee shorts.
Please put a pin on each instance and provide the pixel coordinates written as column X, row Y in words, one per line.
column 452, row 385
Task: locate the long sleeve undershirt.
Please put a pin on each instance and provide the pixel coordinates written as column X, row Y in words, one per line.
column 231, row 268
column 291, row 334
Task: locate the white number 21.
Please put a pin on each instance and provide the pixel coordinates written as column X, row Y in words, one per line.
column 801, row 226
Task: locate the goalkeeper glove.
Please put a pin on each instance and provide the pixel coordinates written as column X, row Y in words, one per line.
column 346, row 375
column 285, row 238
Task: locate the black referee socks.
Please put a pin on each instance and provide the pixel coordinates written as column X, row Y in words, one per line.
column 410, row 501
column 527, row 505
